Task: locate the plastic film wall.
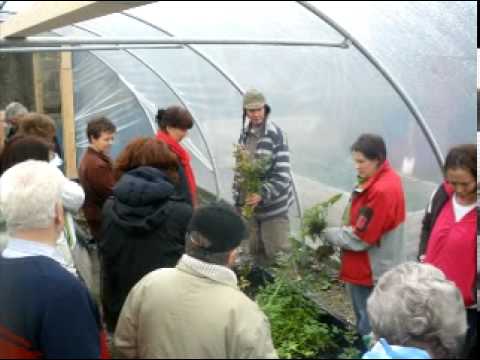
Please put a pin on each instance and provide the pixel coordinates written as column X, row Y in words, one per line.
column 322, row 97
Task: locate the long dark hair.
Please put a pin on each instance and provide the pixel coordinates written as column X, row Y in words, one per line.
column 243, row 135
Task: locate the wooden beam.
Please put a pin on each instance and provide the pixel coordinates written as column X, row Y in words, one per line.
column 68, row 115
column 2, row 130
column 38, row 82
column 44, row 16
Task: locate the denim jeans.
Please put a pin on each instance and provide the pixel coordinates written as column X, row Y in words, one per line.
column 359, row 296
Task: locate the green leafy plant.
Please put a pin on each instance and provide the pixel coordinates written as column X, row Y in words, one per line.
column 315, row 222
column 350, row 353
column 249, row 175
column 297, row 331
column 315, row 218
column 300, row 329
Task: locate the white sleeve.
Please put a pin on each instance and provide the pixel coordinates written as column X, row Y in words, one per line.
column 73, row 196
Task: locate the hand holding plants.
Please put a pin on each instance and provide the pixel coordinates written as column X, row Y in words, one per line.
column 249, row 176
column 253, row 200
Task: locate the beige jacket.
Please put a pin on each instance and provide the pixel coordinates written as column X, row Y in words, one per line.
column 193, row 311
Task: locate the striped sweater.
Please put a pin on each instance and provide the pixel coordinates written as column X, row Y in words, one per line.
column 277, row 190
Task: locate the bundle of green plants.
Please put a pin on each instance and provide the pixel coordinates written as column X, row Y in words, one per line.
column 249, row 175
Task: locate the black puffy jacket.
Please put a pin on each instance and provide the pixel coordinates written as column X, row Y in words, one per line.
column 144, row 228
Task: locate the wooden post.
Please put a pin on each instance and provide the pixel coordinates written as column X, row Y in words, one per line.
column 44, row 16
column 68, row 115
column 38, row 83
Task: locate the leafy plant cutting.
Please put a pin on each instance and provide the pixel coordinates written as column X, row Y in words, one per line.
column 315, row 218
column 315, row 222
column 249, row 176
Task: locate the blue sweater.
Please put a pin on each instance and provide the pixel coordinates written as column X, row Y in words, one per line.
column 45, row 312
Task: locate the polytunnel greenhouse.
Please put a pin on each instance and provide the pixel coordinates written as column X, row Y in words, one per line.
column 330, row 70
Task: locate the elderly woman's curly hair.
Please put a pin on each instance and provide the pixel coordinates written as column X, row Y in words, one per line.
column 415, row 305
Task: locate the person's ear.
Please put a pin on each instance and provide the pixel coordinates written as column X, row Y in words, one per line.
column 59, row 216
column 232, row 257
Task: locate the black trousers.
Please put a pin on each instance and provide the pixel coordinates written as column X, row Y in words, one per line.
column 471, row 344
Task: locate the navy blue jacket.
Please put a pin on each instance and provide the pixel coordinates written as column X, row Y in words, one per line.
column 45, row 312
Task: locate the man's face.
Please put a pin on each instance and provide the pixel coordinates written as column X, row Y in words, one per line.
column 256, row 116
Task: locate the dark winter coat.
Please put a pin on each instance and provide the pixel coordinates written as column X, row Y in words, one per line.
column 144, row 228
column 182, row 189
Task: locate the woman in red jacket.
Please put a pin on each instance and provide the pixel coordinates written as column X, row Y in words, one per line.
column 372, row 238
column 449, row 233
column 174, row 123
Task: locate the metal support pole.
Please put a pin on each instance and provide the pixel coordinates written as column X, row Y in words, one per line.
column 13, row 50
column 38, row 41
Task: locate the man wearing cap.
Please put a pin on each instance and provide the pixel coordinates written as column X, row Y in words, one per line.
column 270, row 227
column 196, row 310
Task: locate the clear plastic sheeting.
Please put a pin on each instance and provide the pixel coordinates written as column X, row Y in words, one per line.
column 280, row 20
column 429, row 47
column 119, row 103
column 177, row 76
column 142, row 81
column 101, row 92
column 322, row 97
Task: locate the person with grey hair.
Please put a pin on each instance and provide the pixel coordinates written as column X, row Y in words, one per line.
column 416, row 313
column 197, row 310
column 23, row 148
column 12, row 112
column 37, row 295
